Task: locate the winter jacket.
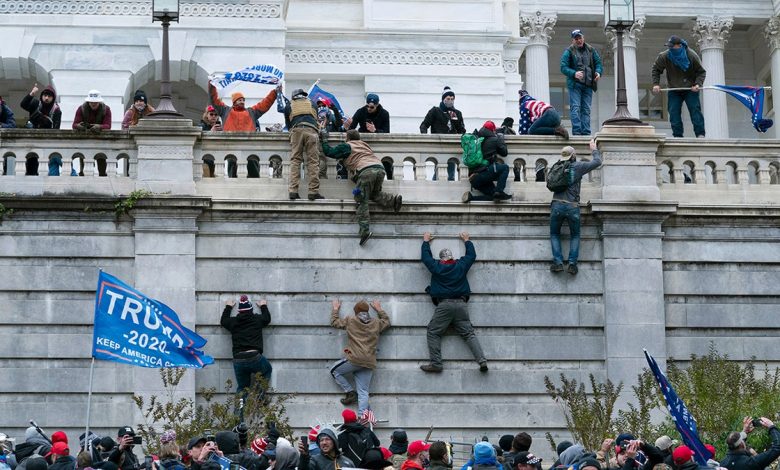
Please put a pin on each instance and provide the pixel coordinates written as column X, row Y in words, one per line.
column 492, row 146
column 322, row 461
column 654, row 457
column 286, row 458
column 171, row 464
column 356, row 155
column 64, row 462
column 42, row 117
column 380, row 117
column 246, row 328
column 448, row 278
column 362, row 339
column 364, row 435
column 228, row 443
column 6, row 116
column 675, row 77
column 133, row 115
column 441, row 122
column 411, row 465
column 129, row 462
column 241, row 120
column 742, row 460
column 572, row 193
column 438, row 466
column 569, row 66
column 101, row 116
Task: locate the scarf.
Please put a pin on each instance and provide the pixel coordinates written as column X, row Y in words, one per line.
column 679, row 57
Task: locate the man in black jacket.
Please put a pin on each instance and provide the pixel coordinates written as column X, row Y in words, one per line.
column 44, row 112
column 444, row 118
column 355, row 439
column 246, row 330
column 482, row 177
column 371, row 118
column 738, row 456
column 123, row 455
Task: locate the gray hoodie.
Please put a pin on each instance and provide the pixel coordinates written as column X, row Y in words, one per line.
column 322, row 461
column 571, row 455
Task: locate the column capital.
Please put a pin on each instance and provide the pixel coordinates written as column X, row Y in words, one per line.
column 538, row 28
column 630, row 36
column 713, row 32
column 772, row 32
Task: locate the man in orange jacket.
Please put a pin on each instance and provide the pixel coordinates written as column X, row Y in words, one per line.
column 239, row 118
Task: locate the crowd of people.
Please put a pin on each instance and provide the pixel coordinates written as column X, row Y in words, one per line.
column 353, row 444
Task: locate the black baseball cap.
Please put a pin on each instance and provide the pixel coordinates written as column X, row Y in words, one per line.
column 673, row 40
column 195, row 441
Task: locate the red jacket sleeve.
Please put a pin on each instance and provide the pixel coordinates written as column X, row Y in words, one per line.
column 78, row 119
column 265, row 105
column 106, row 119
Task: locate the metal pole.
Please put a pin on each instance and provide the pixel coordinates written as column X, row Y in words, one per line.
column 87, row 440
column 622, row 115
column 165, row 109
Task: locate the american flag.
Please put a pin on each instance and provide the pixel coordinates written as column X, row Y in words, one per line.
column 368, row 417
column 530, row 110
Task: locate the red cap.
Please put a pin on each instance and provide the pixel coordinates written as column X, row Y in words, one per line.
column 416, row 447
column 211, row 109
column 59, row 436
column 259, row 445
column 711, row 449
column 386, row 454
column 681, row 455
column 59, row 448
column 349, row 416
column 490, row 125
column 313, row 433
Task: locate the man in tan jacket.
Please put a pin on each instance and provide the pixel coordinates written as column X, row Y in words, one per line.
column 360, row 354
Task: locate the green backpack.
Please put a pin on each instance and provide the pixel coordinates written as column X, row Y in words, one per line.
column 472, row 151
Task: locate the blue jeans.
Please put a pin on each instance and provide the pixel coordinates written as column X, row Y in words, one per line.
column 546, row 123
column 580, row 97
column 674, row 106
column 54, row 166
column 246, row 368
column 483, row 181
column 362, row 377
column 559, row 212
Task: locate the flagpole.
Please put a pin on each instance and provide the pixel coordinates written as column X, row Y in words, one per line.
column 313, row 85
column 704, row 88
column 88, row 441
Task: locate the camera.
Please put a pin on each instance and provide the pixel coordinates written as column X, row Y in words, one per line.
column 137, row 440
column 757, row 422
column 210, row 437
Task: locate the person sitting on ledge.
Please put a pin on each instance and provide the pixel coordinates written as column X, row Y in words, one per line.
column 539, row 118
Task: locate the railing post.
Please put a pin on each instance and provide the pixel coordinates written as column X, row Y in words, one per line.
column 165, row 154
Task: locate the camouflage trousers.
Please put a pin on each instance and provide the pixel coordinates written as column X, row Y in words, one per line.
column 369, row 188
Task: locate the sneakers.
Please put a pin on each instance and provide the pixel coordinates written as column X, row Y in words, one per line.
column 350, row 398
column 364, row 238
column 398, row 201
column 315, row 196
column 294, row 196
column 573, row 269
column 466, row 197
column 561, row 132
column 483, row 367
column 501, row 196
column 556, row 268
column 431, row 368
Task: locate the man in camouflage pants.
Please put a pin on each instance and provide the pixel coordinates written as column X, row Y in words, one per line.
column 367, row 172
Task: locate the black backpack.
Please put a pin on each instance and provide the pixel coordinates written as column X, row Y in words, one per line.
column 356, row 445
column 560, row 176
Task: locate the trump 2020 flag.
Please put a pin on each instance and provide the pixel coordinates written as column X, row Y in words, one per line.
column 318, row 93
column 685, row 423
column 133, row 329
column 753, row 98
column 265, row 74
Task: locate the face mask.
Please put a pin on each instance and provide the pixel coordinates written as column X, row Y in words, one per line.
column 140, row 107
column 365, row 317
column 449, row 104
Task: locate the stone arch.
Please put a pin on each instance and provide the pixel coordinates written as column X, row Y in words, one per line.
column 452, row 169
column 710, row 175
column 55, row 164
column 9, row 164
column 101, row 164
column 774, row 173
column 667, row 171
column 731, row 173
column 123, row 164
column 253, row 166
column 231, row 166
column 208, row 165
column 31, row 164
column 752, row 172
column 189, row 84
column 387, row 162
column 275, row 166
column 541, row 170
column 689, row 173
column 17, row 77
column 409, row 168
column 77, row 164
column 431, row 168
column 518, row 169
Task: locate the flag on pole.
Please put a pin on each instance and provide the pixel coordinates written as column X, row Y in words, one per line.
column 265, row 74
column 753, row 98
column 685, row 423
column 318, row 93
column 134, row 329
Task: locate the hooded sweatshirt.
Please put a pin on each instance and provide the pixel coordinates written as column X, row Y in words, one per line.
column 228, row 443
column 571, row 455
column 43, row 116
column 322, row 461
column 362, row 338
column 286, row 458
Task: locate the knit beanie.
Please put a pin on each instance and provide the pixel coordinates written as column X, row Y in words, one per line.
column 447, row 92
column 236, row 96
column 244, row 304
column 490, row 125
column 140, row 95
column 59, row 436
column 361, row 306
column 349, row 416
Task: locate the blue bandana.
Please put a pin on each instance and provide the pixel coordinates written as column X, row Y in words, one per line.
column 679, row 57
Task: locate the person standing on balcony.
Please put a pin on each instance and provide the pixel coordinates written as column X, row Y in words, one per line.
column 138, row 110
column 94, row 115
column 368, row 175
column 300, row 117
column 683, row 70
column 44, row 112
column 565, row 205
column 360, row 354
column 237, row 117
column 482, row 177
column 445, row 119
column 450, row 291
column 581, row 64
column 371, row 118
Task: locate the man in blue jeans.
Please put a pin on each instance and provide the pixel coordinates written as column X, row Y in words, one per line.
column 566, row 206
column 483, row 176
column 581, row 64
column 683, row 70
column 246, row 330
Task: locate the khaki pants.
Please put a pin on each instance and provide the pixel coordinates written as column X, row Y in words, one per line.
column 304, row 142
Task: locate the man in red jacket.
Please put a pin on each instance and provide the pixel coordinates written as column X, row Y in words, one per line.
column 94, row 115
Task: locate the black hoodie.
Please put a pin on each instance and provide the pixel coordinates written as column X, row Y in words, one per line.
column 228, row 443
column 43, row 116
column 492, row 145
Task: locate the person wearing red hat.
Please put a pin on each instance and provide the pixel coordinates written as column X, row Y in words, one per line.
column 482, row 177
column 355, row 439
column 59, row 436
column 59, row 456
column 417, row 455
column 683, row 458
column 237, row 117
column 246, row 330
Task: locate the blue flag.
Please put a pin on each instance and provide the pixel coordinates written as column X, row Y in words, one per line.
column 753, row 98
column 317, row 93
column 265, row 74
column 133, row 329
column 685, row 423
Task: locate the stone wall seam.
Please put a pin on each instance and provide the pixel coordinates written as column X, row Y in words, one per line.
column 136, row 8
column 631, row 158
column 393, row 57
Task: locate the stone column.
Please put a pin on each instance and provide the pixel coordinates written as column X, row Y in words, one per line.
column 772, row 34
column 630, row 40
column 513, row 49
column 165, row 155
column 712, row 34
column 538, row 29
